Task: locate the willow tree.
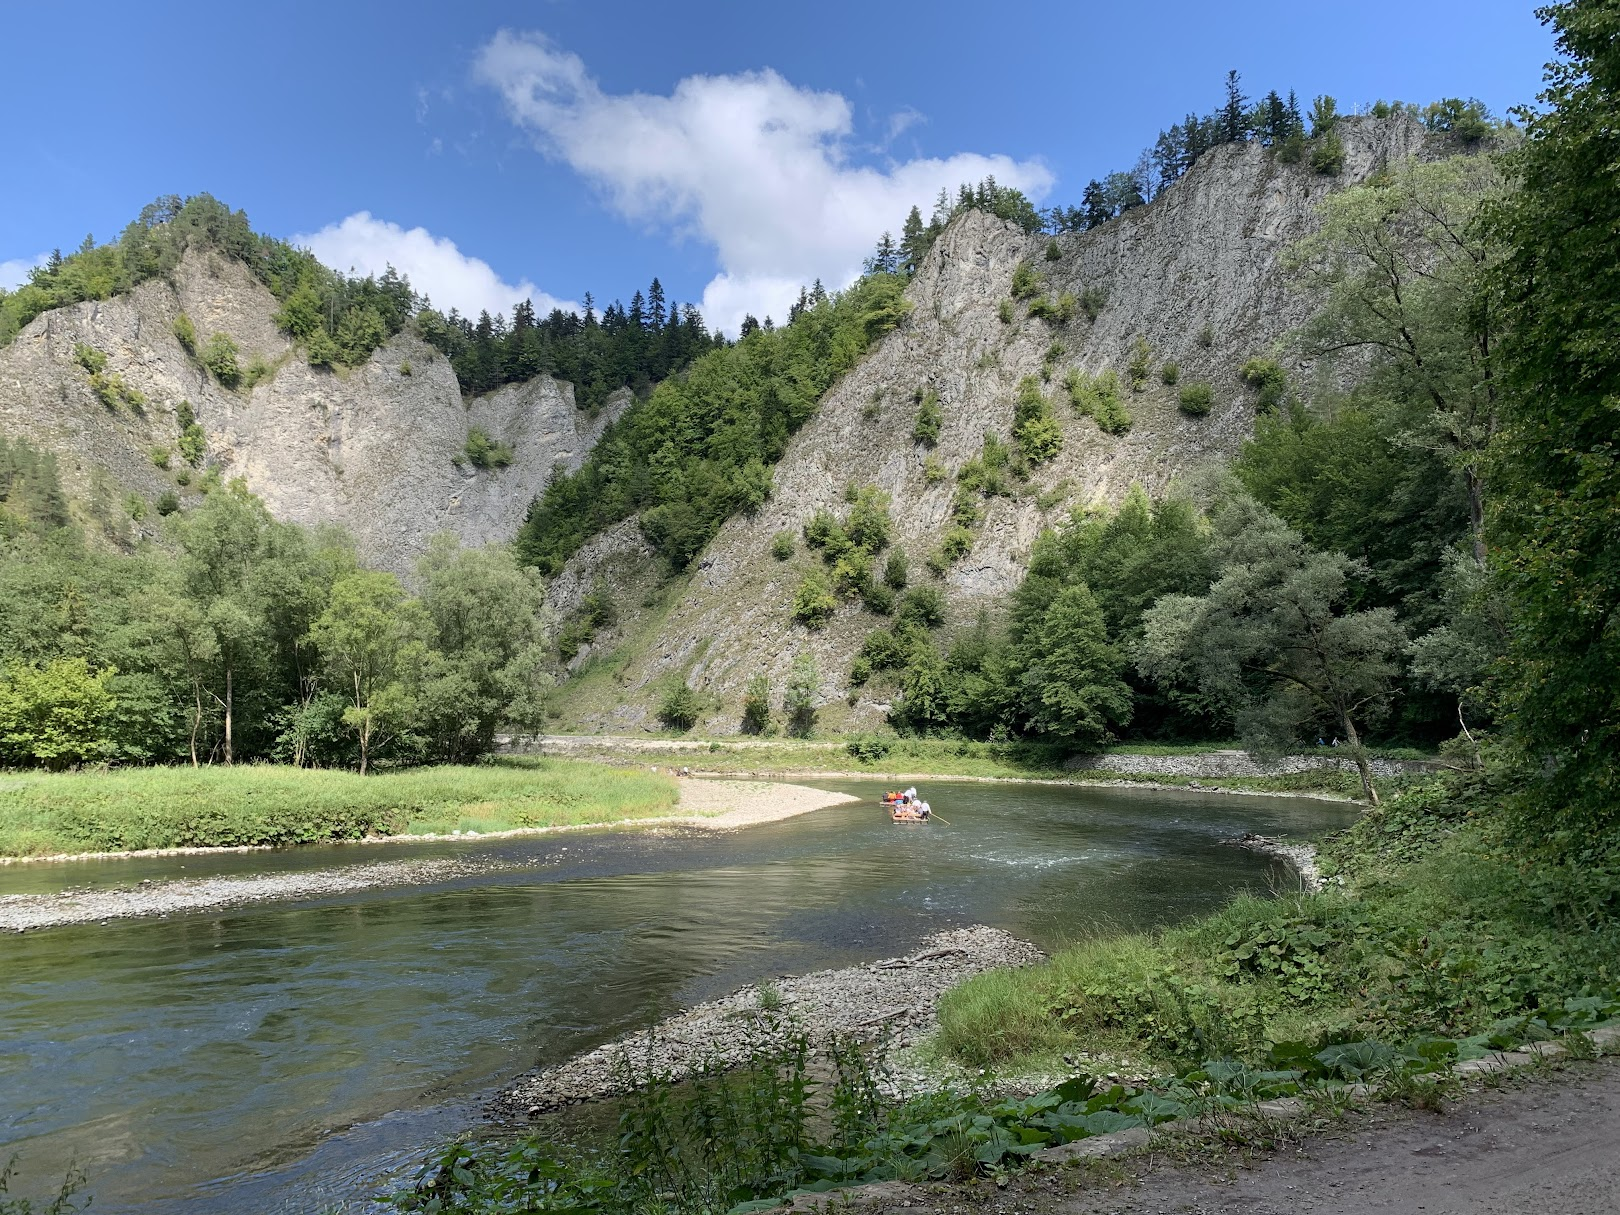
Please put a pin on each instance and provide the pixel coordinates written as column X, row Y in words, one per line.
column 1275, row 643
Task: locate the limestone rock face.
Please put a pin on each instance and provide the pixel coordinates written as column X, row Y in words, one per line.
column 1198, row 274
column 373, row 448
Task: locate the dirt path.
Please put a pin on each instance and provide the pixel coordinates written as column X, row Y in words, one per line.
column 1551, row 1147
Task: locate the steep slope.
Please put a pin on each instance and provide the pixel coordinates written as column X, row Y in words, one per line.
column 1197, row 274
column 371, row 449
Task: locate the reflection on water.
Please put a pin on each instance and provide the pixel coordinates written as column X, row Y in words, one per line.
column 279, row 1056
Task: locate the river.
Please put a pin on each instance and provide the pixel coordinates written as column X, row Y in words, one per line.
column 283, row 1056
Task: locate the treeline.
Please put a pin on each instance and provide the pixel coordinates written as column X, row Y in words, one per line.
column 700, row 447
column 1338, row 581
column 634, row 346
column 340, row 320
column 241, row 638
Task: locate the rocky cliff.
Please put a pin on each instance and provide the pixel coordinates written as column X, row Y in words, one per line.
column 376, row 449
column 1197, row 274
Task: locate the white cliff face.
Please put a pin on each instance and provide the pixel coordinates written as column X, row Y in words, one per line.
column 1204, row 261
column 370, row 448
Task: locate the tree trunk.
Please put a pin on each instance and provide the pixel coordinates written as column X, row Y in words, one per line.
column 1362, row 766
column 229, row 697
column 196, row 722
column 1476, row 513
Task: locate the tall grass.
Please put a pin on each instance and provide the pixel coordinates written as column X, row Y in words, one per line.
column 1444, row 928
column 43, row 814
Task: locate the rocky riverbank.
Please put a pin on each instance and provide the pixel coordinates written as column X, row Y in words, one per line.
column 1301, row 857
column 894, row 1001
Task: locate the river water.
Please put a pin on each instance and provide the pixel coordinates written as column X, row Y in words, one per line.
column 284, row 1056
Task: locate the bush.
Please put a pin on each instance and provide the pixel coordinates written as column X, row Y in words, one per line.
column 956, row 543
column 88, row 357
column 1266, row 377
column 160, row 457
column 185, row 333
column 168, row 502
column 680, row 708
column 1039, row 439
column 877, row 598
column 1196, row 399
column 1005, row 311
column 799, row 701
column 822, row 530
column 895, row 572
column 1327, row 155
column 868, row 748
column 219, row 357
column 1170, row 374
column 934, row 471
column 1054, row 251
column 924, row 605
column 405, row 367
column 1097, row 397
column 1136, row 370
column 484, row 452
column 782, row 546
column 1026, row 283
column 757, row 706
column 929, row 418
column 1092, row 301
column 1206, row 337
column 257, row 370
column 813, row 603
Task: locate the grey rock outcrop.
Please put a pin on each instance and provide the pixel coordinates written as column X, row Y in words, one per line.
column 373, row 448
column 1198, row 274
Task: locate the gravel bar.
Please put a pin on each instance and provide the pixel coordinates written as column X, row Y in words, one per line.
column 894, row 1000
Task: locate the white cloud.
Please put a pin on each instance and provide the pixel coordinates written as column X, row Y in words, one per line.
column 751, row 164
column 14, row 273
column 363, row 244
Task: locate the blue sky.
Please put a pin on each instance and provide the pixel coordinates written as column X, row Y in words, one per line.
column 552, row 147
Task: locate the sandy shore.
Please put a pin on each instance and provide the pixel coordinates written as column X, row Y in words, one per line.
column 712, row 805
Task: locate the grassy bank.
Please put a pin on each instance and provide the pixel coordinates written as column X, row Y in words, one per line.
column 919, row 757
column 1439, row 925
column 43, row 814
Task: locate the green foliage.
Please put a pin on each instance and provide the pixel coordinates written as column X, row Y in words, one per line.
column 58, row 714
column 88, row 357
column 185, row 333
column 1469, row 121
column 1054, row 251
column 868, row 748
column 930, row 418
column 1035, row 430
column 934, row 471
column 219, row 357
column 680, row 708
column 1140, row 365
column 482, row 451
column 799, row 698
column 1327, row 155
column 264, row 804
column 1077, row 671
column 1268, row 379
column 895, row 571
column 757, row 706
column 160, row 456
column 1170, row 374
column 1006, row 311
column 923, row 606
column 1098, row 398
column 698, row 448
column 1206, row 337
column 782, row 546
column 1196, row 398
column 1026, row 281
column 1092, row 301
column 1555, row 466
column 256, row 371
column 168, row 502
column 192, row 440
column 813, row 602
column 1276, row 643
